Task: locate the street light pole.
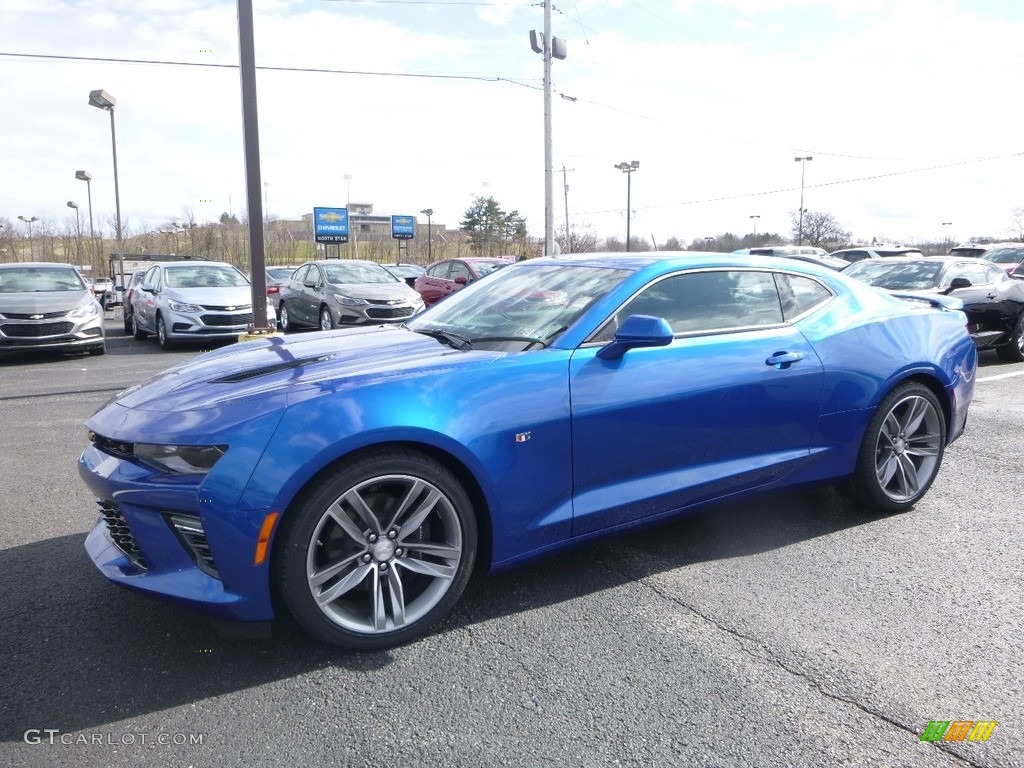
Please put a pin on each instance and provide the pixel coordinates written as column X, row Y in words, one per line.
column 628, row 168
column 78, row 229
column 87, row 178
column 428, row 212
column 103, row 100
column 31, row 247
column 754, row 218
column 803, row 167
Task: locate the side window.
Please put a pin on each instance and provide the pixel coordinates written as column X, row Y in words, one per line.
column 459, row 269
column 299, row 275
column 976, row 273
column 800, row 295
column 316, row 275
column 158, row 278
column 440, row 270
column 720, row 300
column 855, row 255
column 150, row 276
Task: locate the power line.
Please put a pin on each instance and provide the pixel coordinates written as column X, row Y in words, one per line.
column 315, row 70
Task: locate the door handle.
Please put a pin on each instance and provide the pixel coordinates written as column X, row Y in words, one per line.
column 783, row 360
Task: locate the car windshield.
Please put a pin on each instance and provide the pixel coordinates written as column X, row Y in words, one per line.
column 196, row 276
column 912, row 276
column 39, row 279
column 1005, row 255
column 358, row 273
column 522, row 307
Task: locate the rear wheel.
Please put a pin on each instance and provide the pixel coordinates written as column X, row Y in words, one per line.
column 326, row 319
column 902, row 450
column 127, row 321
column 1013, row 352
column 285, row 318
column 137, row 332
column 377, row 551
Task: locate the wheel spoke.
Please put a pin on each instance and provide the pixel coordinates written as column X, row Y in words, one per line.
column 351, row 581
column 346, row 524
column 443, row 551
column 419, row 514
column 415, row 489
column 908, row 473
column 354, row 498
column 890, row 428
column 326, row 574
column 438, row 570
column 915, row 414
column 397, row 594
column 886, row 470
column 380, row 617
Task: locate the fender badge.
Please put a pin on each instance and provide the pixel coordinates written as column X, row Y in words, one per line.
column 522, row 437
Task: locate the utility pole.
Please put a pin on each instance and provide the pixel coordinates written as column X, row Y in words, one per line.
column 565, row 188
column 550, row 47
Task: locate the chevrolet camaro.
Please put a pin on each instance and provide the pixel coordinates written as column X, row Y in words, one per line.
column 356, row 478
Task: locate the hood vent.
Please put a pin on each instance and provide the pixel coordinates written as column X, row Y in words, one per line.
column 267, row 370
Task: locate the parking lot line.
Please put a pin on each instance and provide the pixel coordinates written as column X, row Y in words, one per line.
column 1002, row 376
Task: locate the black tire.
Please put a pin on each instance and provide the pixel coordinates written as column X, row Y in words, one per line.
column 391, row 523
column 161, row 332
column 326, row 319
column 285, row 318
column 1013, row 351
column 127, row 323
column 137, row 332
column 902, row 450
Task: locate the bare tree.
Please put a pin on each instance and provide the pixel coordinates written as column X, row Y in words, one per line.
column 580, row 240
column 821, row 230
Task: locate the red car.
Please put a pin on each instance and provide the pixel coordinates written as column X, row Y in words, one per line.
column 1006, row 255
column 445, row 277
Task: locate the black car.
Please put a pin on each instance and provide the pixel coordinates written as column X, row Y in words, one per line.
column 993, row 301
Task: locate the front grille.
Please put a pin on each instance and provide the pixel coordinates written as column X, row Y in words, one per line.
column 226, row 320
column 388, row 313
column 190, row 532
column 118, row 448
column 36, row 316
column 120, row 533
column 36, row 330
column 226, row 307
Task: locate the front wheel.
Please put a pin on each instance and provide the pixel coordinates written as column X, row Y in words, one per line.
column 326, row 319
column 137, row 331
column 161, row 333
column 901, row 451
column 127, row 323
column 284, row 318
column 1013, row 351
column 376, row 551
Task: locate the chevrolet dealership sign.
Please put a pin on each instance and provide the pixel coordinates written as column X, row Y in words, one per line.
column 330, row 225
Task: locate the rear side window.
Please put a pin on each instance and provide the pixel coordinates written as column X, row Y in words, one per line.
column 800, row 295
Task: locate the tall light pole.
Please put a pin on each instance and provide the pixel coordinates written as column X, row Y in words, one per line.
column 103, row 100
column 803, row 167
column 628, row 168
column 428, row 212
column 87, row 178
column 31, row 248
column 551, row 48
column 754, row 217
column 78, row 229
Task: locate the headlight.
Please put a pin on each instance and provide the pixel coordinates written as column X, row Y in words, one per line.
column 179, row 306
column 87, row 310
column 349, row 301
column 180, row 459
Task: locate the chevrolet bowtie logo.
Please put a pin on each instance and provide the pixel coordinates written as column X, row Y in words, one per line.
column 35, row 317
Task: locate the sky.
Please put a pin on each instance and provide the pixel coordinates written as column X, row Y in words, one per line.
column 909, row 109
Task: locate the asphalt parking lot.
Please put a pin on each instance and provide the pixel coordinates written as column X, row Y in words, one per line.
column 793, row 630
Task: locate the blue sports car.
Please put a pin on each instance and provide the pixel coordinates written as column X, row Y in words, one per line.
column 356, row 478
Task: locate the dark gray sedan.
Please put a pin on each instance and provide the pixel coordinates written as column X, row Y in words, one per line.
column 332, row 293
column 48, row 306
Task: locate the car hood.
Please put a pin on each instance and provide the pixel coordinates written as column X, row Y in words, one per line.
column 37, row 303
column 376, row 291
column 297, row 366
column 237, row 296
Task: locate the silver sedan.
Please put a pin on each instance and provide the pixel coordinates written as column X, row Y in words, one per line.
column 332, row 293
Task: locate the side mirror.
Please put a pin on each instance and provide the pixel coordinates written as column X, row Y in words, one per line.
column 957, row 284
column 461, row 280
column 310, row 285
column 638, row 331
column 147, row 287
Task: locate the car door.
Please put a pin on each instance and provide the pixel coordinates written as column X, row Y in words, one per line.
column 293, row 288
column 992, row 302
column 145, row 305
column 731, row 403
column 434, row 282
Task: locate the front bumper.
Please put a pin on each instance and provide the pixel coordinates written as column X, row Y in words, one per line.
column 374, row 314
column 50, row 332
column 138, row 542
column 210, row 323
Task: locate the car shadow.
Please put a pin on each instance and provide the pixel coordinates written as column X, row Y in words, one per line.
column 78, row 652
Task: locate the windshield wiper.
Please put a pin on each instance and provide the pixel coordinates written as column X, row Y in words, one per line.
column 531, row 341
column 449, row 338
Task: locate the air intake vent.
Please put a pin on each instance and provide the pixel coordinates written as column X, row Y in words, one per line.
column 120, row 533
column 192, row 535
